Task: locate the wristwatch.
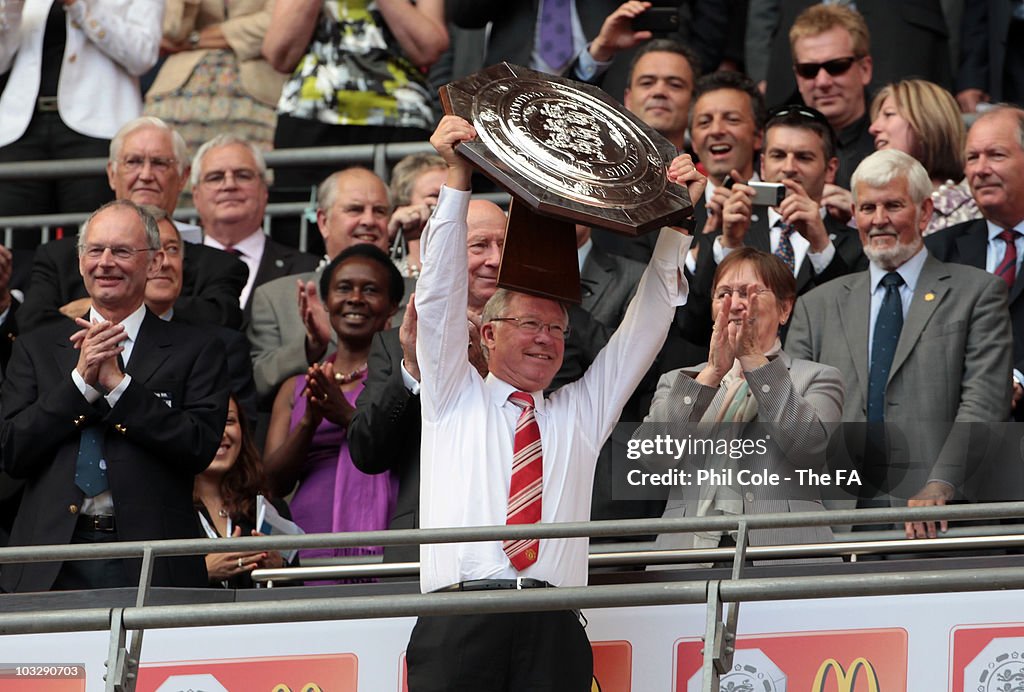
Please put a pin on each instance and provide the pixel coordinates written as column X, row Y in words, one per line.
column 193, row 40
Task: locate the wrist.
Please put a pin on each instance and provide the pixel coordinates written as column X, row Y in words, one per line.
column 600, row 51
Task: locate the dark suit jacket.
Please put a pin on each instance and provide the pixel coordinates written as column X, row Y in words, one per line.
column 384, row 434
column 211, row 284
column 703, row 25
column 967, row 243
column 608, row 284
column 279, row 260
column 908, row 39
column 153, row 450
column 849, row 255
column 983, row 46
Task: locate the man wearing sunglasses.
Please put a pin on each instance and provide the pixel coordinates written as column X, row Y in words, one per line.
column 832, row 64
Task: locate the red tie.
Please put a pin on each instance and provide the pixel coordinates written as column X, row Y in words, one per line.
column 1007, row 269
column 524, row 495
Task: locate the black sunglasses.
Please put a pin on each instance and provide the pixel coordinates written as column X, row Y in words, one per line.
column 835, row 67
column 800, row 112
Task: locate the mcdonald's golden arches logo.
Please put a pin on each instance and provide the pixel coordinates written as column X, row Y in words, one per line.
column 846, row 680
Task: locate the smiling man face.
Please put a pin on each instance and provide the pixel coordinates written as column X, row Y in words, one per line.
column 659, row 93
column 354, row 209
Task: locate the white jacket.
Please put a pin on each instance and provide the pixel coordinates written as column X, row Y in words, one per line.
column 109, row 44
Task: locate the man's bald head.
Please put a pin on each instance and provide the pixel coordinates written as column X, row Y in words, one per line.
column 354, row 208
column 485, row 241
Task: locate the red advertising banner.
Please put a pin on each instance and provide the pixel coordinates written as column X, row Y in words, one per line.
column 315, row 673
column 987, row 658
column 870, row 660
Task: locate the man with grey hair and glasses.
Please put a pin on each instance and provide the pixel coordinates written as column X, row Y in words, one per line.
column 229, row 188
column 148, row 164
column 110, row 417
column 924, row 346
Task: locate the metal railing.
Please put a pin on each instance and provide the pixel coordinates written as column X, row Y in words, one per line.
column 379, row 157
column 720, row 633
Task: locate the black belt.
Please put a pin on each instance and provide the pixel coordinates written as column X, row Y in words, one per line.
column 46, row 104
column 492, row 584
column 103, row 523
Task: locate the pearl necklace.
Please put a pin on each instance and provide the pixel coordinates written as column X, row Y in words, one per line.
column 341, row 378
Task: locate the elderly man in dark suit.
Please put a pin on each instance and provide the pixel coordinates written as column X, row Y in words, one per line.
column 924, row 346
column 995, row 243
column 229, row 187
column 110, row 418
column 148, row 164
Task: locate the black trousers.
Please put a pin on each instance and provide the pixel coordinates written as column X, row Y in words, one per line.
column 46, row 139
column 513, row 652
column 78, row 575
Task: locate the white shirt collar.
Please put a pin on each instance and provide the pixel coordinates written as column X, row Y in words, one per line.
column 250, row 246
column 132, row 323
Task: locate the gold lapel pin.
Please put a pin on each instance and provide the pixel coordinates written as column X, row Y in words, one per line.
column 929, row 297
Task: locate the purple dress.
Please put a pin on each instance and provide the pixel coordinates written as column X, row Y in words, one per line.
column 333, row 495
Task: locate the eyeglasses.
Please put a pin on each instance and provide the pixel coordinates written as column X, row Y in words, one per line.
column 722, row 291
column 160, row 164
column 835, row 67
column 241, row 176
column 534, row 327
column 118, row 251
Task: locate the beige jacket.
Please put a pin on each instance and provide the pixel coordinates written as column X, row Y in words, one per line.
column 243, row 28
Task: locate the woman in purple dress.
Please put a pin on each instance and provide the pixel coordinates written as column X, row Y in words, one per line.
column 307, row 443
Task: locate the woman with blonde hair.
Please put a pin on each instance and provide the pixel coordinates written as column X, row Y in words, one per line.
column 922, row 119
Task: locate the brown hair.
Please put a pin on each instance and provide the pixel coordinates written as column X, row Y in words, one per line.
column 776, row 275
column 817, row 19
column 245, row 479
column 934, row 117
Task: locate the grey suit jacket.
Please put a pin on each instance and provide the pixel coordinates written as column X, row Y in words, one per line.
column 801, row 398
column 952, row 364
column 608, row 284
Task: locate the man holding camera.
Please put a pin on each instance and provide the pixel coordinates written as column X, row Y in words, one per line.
column 784, row 215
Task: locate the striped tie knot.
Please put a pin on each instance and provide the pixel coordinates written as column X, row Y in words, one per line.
column 522, row 399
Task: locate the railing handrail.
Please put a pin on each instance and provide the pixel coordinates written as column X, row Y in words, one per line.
column 581, row 529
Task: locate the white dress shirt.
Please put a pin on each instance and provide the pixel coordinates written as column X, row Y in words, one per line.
column 468, row 422
column 104, row 502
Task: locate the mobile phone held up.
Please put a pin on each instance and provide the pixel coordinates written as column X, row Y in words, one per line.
column 765, row 194
column 658, row 20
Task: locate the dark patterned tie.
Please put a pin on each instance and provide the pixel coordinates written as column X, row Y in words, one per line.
column 888, row 325
column 556, row 32
column 1007, row 269
column 784, row 250
column 90, row 467
column 524, row 494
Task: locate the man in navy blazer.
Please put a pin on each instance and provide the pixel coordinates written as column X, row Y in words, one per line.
column 158, row 419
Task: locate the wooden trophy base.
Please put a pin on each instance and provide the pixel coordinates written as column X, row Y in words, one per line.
column 540, row 256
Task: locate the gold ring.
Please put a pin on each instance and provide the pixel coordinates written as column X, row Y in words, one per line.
column 239, row 563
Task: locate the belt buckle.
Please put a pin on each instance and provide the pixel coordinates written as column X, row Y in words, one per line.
column 519, row 583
